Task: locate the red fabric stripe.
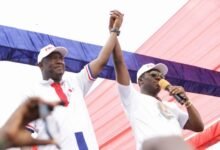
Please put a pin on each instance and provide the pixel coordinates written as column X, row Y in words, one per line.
column 60, row 93
column 30, row 126
column 34, row 148
column 206, row 138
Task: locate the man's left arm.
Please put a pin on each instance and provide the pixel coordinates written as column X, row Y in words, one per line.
column 194, row 121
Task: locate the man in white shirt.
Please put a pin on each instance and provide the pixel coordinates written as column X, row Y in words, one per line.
column 70, row 126
column 148, row 114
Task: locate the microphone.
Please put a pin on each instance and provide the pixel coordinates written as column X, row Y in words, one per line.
column 164, row 84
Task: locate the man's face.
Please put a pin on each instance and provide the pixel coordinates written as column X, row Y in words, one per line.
column 149, row 81
column 53, row 66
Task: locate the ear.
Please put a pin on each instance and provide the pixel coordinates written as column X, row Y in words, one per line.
column 40, row 65
column 140, row 81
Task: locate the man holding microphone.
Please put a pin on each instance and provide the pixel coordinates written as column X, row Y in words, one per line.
column 149, row 116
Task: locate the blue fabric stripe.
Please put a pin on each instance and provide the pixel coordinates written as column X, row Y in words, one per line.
column 23, row 46
column 81, row 141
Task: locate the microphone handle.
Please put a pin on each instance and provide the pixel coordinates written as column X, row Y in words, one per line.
column 179, row 98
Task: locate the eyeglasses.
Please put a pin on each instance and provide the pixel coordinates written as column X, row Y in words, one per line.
column 156, row 74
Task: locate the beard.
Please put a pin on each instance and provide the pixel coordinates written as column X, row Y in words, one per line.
column 151, row 89
column 55, row 75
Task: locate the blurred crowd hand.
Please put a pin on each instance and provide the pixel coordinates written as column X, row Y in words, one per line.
column 166, row 143
column 116, row 19
column 14, row 134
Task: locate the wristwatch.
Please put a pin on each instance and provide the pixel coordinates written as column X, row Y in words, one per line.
column 116, row 31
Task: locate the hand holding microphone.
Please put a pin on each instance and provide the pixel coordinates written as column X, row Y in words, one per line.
column 176, row 91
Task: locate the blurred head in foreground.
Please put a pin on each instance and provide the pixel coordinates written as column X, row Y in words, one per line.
column 166, row 143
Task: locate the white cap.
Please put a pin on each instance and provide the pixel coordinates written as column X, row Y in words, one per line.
column 47, row 50
column 146, row 67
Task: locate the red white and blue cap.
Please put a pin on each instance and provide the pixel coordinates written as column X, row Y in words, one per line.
column 47, row 50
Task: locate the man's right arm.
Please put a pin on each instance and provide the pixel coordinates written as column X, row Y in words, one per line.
column 92, row 70
column 98, row 64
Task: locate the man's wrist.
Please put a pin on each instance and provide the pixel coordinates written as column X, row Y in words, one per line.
column 115, row 30
column 188, row 104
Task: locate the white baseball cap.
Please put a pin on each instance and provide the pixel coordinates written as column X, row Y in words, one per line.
column 47, row 50
column 146, row 67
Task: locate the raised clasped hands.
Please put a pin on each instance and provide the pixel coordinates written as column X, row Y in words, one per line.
column 116, row 19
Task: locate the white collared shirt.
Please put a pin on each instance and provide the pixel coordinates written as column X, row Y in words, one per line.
column 149, row 117
column 64, row 122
